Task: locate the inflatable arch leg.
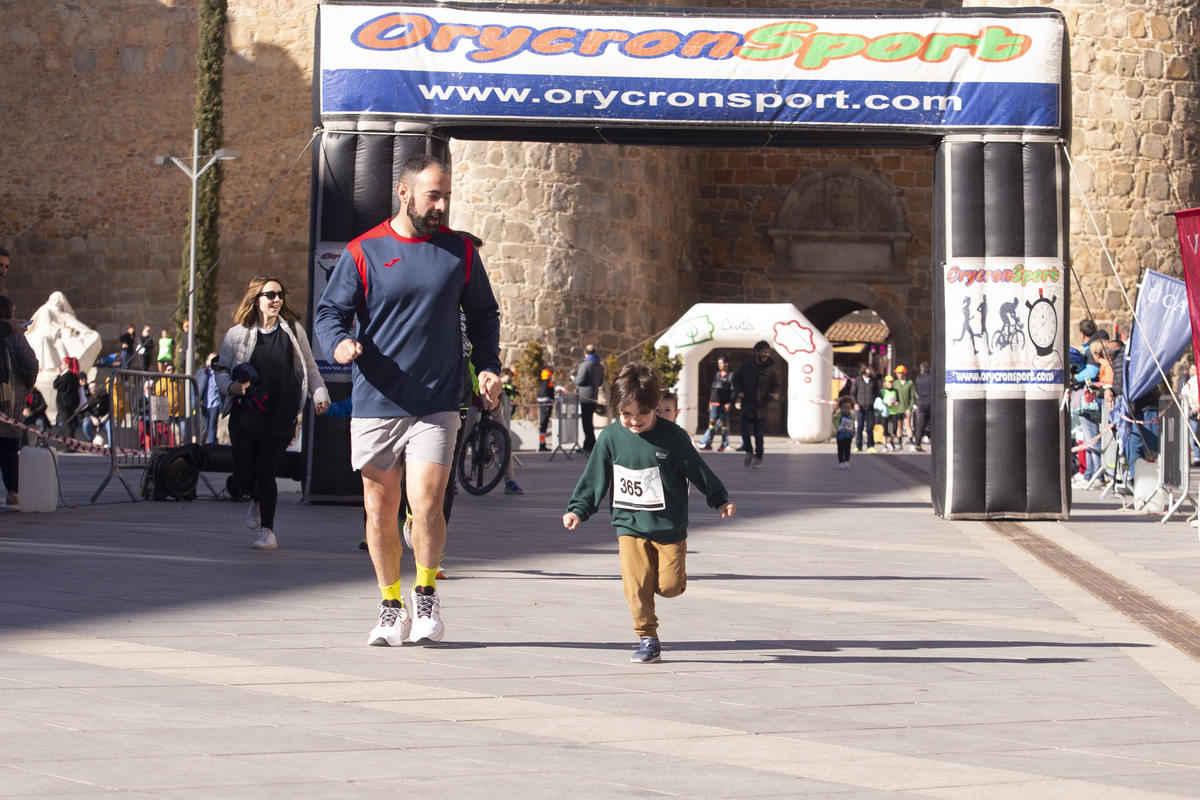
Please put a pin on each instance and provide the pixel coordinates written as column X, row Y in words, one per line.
column 1000, row 434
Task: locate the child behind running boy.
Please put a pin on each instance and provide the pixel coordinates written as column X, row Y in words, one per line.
column 668, row 406
column 844, row 426
column 646, row 461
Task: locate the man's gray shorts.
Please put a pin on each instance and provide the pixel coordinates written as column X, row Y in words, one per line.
column 385, row 443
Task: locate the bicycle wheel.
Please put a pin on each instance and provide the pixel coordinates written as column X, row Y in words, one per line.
column 1018, row 339
column 484, row 457
column 998, row 342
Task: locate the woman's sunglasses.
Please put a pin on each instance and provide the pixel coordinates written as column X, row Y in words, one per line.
column 272, row 295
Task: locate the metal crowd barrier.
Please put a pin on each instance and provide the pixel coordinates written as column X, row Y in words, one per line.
column 1175, row 456
column 148, row 410
column 566, row 411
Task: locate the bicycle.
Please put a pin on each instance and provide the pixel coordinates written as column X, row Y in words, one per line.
column 484, row 456
column 1009, row 335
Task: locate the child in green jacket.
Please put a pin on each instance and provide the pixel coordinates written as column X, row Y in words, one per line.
column 646, row 462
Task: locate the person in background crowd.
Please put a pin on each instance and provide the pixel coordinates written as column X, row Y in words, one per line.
column 71, row 396
column 210, row 398
column 1191, row 389
column 508, row 395
column 588, row 380
column 843, row 427
column 866, row 390
column 755, row 387
column 545, row 401
column 18, row 370
column 923, row 385
column 720, row 400
column 147, row 348
column 166, row 350
column 262, row 421
column 96, row 414
column 128, row 341
column 906, row 392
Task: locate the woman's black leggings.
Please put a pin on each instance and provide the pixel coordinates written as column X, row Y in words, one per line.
column 254, row 466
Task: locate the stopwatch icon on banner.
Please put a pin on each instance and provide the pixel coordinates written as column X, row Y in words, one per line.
column 1043, row 324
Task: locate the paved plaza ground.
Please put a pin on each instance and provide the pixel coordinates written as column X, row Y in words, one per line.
column 836, row 639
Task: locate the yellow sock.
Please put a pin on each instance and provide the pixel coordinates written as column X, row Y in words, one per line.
column 426, row 577
column 393, row 592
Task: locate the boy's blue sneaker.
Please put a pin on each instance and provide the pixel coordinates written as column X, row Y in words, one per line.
column 510, row 487
column 648, row 651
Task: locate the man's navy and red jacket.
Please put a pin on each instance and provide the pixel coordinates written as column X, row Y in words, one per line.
column 405, row 295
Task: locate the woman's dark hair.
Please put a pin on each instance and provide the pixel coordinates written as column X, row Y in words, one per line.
column 638, row 384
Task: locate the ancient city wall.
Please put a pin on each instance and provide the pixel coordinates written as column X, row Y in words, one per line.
column 585, row 243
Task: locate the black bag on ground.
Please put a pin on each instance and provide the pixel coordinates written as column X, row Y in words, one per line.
column 173, row 472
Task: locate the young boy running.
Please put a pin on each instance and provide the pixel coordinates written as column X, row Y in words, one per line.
column 647, row 462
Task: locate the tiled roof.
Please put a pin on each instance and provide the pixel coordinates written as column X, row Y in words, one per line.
column 872, row 333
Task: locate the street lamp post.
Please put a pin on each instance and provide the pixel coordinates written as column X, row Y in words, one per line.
column 194, row 172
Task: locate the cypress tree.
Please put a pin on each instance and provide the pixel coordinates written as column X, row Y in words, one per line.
column 208, row 116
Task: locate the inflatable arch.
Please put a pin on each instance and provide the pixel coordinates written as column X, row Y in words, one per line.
column 801, row 347
column 986, row 88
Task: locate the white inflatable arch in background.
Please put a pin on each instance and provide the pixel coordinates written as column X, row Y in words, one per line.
column 807, row 354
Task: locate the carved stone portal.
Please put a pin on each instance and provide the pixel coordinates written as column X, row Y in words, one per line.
column 839, row 223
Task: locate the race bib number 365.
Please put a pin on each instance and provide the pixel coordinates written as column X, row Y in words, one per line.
column 638, row 489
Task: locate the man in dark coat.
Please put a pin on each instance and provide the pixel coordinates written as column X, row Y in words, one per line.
column 588, row 380
column 924, row 415
column 754, row 387
column 866, row 389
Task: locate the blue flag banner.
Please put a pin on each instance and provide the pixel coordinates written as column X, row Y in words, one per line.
column 1161, row 332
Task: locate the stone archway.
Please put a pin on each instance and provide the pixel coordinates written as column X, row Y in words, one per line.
column 824, row 305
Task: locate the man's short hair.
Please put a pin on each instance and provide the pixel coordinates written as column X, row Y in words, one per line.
column 4, row 252
column 1087, row 328
column 761, row 344
column 590, row 350
column 638, row 384
column 418, row 164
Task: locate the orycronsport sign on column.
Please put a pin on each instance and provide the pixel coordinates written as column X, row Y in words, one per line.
column 921, row 72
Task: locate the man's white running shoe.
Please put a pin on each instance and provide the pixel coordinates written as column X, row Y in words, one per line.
column 265, row 540
column 253, row 517
column 427, row 622
column 393, row 628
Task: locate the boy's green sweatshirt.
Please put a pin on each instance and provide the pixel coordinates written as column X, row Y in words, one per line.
column 648, row 476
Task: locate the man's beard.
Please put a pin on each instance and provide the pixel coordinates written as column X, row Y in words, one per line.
column 427, row 225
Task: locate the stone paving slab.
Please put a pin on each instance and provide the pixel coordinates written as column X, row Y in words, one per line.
column 836, row 639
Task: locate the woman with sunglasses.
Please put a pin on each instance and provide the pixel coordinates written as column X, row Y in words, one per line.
column 262, row 414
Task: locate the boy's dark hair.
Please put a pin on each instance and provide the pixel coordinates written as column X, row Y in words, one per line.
column 667, row 394
column 1087, row 328
column 845, row 400
column 638, row 384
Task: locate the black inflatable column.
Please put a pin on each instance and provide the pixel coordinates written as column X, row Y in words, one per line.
column 355, row 173
column 1000, row 337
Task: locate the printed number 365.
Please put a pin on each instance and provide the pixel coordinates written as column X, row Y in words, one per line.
column 631, row 487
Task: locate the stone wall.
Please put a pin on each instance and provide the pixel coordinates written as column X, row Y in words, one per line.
column 91, row 93
column 584, row 243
